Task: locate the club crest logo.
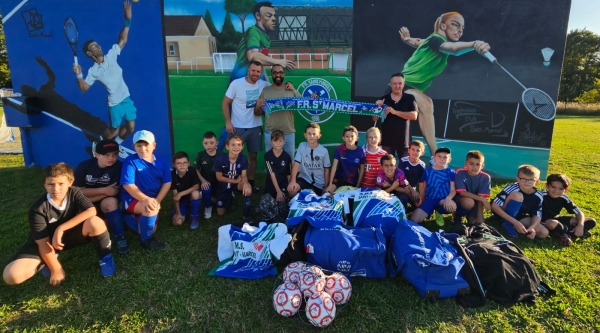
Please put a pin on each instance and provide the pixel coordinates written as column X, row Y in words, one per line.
column 316, row 88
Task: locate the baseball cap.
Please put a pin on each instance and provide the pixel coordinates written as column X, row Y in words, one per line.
column 107, row 146
column 442, row 150
column 143, row 135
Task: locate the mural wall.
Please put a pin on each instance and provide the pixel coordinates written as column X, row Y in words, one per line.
column 338, row 49
column 60, row 122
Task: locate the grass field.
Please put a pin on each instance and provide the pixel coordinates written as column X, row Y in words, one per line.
column 170, row 291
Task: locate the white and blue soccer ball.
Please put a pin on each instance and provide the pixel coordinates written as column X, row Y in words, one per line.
column 292, row 272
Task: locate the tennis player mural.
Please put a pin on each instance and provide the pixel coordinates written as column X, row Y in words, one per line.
column 53, row 112
column 480, row 74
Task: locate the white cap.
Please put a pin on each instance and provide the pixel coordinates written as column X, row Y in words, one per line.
column 143, row 135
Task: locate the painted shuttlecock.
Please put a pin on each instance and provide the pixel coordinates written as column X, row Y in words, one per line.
column 547, row 53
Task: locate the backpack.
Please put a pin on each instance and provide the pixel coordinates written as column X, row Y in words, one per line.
column 500, row 268
column 428, row 261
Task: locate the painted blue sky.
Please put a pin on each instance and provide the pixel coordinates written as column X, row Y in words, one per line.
column 584, row 13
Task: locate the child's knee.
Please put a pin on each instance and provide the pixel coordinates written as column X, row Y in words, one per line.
column 515, row 196
column 93, row 226
column 467, row 203
column 109, row 204
column 551, row 224
column 541, row 231
column 195, row 195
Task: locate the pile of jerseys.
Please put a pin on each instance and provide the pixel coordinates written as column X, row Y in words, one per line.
column 248, row 252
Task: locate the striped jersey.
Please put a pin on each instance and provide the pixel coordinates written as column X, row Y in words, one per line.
column 372, row 167
column 551, row 207
column 532, row 202
column 412, row 172
column 437, row 182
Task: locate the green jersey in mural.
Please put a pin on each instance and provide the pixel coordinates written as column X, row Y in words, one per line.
column 253, row 38
column 426, row 63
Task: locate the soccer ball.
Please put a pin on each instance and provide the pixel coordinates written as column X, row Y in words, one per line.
column 292, row 272
column 308, row 280
column 339, row 287
column 320, row 309
column 287, row 299
column 314, row 269
column 317, row 287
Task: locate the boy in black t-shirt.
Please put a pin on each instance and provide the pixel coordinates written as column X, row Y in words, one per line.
column 278, row 167
column 98, row 179
column 61, row 219
column 185, row 184
column 204, row 167
column 554, row 200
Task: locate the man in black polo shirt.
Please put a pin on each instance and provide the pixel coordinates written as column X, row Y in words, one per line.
column 98, row 179
column 401, row 109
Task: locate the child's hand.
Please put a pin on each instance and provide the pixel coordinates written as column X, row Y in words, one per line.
column 396, row 183
column 177, row 197
column 111, row 190
column 56, row 277
column 385, row 184
column 487, row 205
column 205, row 185
column 280, row 196
column 520, row 228
column 329, row 189
column 246, row 189
column 150, row 204
column 292, row 186
column 530, row 233
column 178, row 219
column 449, row 205
column 57, row 239
column 414, row 194
column 578, row 231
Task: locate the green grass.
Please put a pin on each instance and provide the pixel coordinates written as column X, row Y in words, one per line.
column 170, row 290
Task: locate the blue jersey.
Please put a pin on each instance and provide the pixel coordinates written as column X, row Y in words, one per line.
column 437, row 182
column 348, row 163
column 247, row 252
column 148, row 177
column 229, row 170
column 413, row 172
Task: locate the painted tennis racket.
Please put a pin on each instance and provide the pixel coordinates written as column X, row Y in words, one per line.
column 537, row 102
column 72, row 36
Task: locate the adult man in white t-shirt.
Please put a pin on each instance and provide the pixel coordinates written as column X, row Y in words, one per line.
column 109, row 73
column 242, row 95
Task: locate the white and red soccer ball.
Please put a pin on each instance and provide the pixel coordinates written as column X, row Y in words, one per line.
column 292, row 272
column 320, row 309
column 339, row 287
column 311, row 283
column 287, row 299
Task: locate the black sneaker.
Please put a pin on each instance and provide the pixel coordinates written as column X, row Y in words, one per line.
column 153, row 244
column 122, row 244
column 255, row 189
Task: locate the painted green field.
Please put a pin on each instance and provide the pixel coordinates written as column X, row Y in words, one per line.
column 170, row 291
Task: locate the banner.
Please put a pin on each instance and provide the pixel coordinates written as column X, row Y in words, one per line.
column 323, row 105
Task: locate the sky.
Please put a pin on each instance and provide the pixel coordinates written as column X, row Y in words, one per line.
column 584, row 13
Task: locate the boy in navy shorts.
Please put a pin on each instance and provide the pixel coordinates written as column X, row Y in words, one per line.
column 231, row 169
column 554, row 200
column 519, row 205
column 473, row 188
column 98, row 179
column 279, row 164
column 146, row 180
column 185, row 184
column 349, row 160
column 204, row 167
column 436, row 189
column 61, row 219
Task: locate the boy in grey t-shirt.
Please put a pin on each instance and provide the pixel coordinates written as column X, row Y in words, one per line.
column 473, row 189
column 311, row 163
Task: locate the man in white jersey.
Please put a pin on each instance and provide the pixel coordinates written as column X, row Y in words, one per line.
column 109, row 73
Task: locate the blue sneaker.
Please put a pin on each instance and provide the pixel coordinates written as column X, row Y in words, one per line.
column 46, row 271
column 107, row 265
column 195, row 221
column 510, row 229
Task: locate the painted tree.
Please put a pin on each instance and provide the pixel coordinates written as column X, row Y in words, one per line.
column 581, row 66
column 228, row 38
column 240, row 8
column 210, row 24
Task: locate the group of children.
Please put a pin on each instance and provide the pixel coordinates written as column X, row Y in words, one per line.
column 67, row 217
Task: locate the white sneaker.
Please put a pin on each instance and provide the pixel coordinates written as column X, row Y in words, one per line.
column 122, row 153
column 207, row 212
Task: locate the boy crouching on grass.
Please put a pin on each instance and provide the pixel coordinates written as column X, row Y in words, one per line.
column 554, row 200
column 519, row 205
column 61, row 219
column 185, row 184
column 146, row 180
